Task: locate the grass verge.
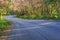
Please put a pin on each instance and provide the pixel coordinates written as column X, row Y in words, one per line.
column 5, row 28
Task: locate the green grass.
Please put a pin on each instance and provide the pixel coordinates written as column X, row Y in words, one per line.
column 33, row 17
column 4, row 24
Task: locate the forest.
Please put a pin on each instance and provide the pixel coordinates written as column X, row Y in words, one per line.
column 31, row 9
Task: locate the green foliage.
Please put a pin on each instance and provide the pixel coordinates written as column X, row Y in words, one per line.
column 2, row 11
column 47, row 9
column 4, row 24
column 34, row 9
column 48, row 1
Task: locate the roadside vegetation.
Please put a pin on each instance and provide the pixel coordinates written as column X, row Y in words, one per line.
column 33, row 9
column 4, row 25
column 38, row 9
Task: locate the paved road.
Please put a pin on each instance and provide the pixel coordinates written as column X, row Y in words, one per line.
column 34, row 29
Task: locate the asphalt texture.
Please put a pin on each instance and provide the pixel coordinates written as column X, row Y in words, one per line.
column 34, row 29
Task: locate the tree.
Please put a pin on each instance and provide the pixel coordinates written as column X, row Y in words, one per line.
column 4, row 4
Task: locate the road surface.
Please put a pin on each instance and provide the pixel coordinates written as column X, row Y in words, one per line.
column 34, row 29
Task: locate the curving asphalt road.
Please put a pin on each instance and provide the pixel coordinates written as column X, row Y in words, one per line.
column 34, row 29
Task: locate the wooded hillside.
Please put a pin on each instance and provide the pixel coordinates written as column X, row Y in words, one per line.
column 35, row 9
